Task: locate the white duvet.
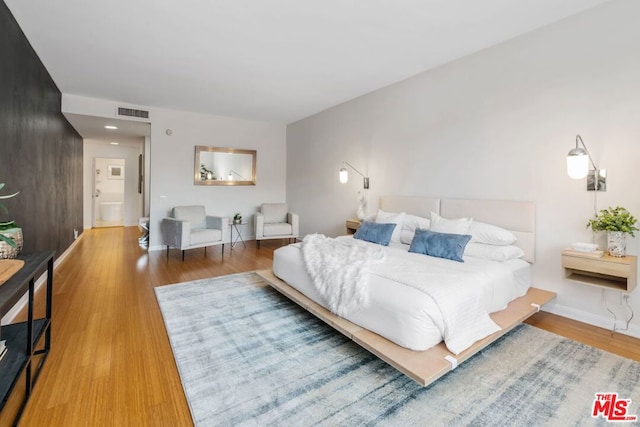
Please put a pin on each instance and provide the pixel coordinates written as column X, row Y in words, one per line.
column 417, row 301
column 455, row 288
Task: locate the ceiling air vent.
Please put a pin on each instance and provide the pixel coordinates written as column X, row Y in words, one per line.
column 132, row 113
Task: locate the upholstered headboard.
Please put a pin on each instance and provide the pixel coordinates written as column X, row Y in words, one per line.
column 515, row 216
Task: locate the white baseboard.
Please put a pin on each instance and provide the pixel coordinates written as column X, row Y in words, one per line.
column 22, row 303
column 592, row 319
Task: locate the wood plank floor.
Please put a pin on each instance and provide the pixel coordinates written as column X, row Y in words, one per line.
column 111, row 363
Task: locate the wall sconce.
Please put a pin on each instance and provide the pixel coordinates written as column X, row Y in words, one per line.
column 578, row 167
column 344, row 174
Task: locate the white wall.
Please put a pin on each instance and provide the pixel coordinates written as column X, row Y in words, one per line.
column 172, row 165
column 494, row 125
column 132, row 199
column 171, row 160
column 146, row 187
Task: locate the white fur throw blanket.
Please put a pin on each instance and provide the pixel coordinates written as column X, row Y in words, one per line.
column 339, row 269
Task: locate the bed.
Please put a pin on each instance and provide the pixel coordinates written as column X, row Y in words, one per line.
column 398, row 323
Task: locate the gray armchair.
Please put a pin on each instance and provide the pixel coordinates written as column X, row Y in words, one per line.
column 190, row 227
column 274, row 221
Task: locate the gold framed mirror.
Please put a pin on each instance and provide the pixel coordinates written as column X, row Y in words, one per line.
column 224, row 166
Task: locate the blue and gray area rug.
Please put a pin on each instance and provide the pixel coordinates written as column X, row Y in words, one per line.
column 248, row 356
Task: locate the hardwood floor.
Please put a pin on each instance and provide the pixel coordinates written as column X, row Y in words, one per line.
column 622, row 345
column 111, row 363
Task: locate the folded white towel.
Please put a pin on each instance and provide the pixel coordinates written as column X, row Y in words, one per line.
column 584, row 247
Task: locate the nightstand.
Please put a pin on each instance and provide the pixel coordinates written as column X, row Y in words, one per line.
column 352, row 225
column 620, row 274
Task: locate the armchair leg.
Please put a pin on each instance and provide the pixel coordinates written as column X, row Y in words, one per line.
column 258, row 244
column 167, row 252
column 205, row 251
column 182, row 255
column 223, row 249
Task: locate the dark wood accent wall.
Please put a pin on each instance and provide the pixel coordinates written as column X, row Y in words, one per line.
column 40, row 152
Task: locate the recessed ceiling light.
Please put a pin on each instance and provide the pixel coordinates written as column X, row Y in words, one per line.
column 111, row 127
column 114, row 143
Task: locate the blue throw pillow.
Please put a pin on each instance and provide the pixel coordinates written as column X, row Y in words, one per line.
column 441, row 245
column 375, row 233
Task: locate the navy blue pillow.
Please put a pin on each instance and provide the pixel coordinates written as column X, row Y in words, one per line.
column 375, row 233
column 441, row 245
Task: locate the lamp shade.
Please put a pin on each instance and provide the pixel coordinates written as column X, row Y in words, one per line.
column 577, row 163
column 344, row 175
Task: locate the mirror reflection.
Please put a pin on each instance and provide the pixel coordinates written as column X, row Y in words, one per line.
column 224, row 166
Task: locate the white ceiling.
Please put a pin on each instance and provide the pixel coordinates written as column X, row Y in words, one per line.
column 276, row 60
column 128, row 132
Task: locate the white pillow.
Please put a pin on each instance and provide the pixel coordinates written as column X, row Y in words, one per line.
column 391, row 217
column 370, row 217
column 409, row 225
column 490, row 234
column 493, row 252
column 453, row 226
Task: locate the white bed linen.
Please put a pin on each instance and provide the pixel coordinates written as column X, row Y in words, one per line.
column 402, row 313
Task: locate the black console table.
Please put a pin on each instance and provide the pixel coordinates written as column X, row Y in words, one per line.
column 28, row 342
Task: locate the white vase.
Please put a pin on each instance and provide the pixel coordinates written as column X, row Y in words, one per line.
column 362, row 206
column 617, row 243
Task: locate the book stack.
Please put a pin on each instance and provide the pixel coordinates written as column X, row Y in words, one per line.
column 582, row 254
column 3, row 348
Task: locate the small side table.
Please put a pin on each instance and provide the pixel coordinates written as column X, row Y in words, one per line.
column 235, row 225
column 616, row 273
column 352, row 225
column 143, row 225
column 607, row 272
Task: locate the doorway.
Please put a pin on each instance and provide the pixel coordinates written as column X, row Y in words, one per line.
column 108, row 192
column 111, row 138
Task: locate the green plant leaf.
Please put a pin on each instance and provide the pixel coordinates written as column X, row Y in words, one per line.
column 8, row 225
column 10, row 195
column 8, row 240
column 614, row 219
column 3, row 208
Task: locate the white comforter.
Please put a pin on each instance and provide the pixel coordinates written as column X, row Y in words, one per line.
column 456, row 288
column 461, row 291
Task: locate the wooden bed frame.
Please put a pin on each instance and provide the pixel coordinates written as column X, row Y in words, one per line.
column 422, row 366
column 427, row 366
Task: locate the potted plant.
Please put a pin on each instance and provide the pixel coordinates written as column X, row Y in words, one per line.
column 10, row 233
column 617, row 222
column 206, row 174
column 237, row 218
